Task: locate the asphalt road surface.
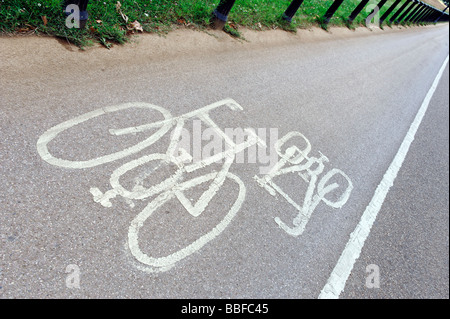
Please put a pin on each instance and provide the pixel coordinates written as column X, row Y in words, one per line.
column 239, row 170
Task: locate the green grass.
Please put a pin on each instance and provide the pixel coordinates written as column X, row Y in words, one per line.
column 107, row 26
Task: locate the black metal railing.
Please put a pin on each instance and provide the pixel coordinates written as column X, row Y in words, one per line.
column 411, row 11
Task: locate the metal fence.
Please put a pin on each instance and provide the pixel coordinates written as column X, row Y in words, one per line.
column 410, row 12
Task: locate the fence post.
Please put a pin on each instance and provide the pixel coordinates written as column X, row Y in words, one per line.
column 419, row 15
column 444, row 17
column 432, row 15
column 292, row 9
column 418, row 18
column 436, row 14
column 220, row 15
column 357, row 10
column 427, row 15
column 413, row 12
column 423, row 15
column 443, row 12
column 407, row 11
column 379, row 6
column 389, row 11
column 398, row 12
column 331, row 11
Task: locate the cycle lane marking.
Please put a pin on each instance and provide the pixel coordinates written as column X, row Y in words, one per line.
column 165, row 263
column 50, row 134
column 297, row 161
column 173, row 187
column 341, row 272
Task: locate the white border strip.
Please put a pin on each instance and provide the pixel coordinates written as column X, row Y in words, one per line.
column 336, row 282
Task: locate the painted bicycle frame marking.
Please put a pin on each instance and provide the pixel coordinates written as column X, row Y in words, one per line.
column 293, row 160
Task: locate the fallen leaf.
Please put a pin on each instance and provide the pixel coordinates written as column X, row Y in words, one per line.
column 233, row 26
column 118, row 9
column 44, row 19
column 136, row 26
column 124, row 17
column 30, row 26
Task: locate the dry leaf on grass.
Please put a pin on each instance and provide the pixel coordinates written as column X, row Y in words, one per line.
column 118, row 8
column 235, row 27
column 124, row 17
column 135, row 26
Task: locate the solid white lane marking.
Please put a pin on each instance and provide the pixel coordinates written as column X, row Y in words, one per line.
column 338, row 278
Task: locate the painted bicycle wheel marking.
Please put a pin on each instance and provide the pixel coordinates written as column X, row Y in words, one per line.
column 167, row 262
column 302, row 165
column 293, row 160
column 48, row 136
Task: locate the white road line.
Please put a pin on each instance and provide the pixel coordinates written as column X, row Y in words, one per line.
column 338, row 278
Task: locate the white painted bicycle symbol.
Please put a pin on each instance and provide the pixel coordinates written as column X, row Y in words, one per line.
column 175, row 186
column 297, row 161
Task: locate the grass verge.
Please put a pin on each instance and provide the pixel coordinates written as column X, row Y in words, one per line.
column 110, row 24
